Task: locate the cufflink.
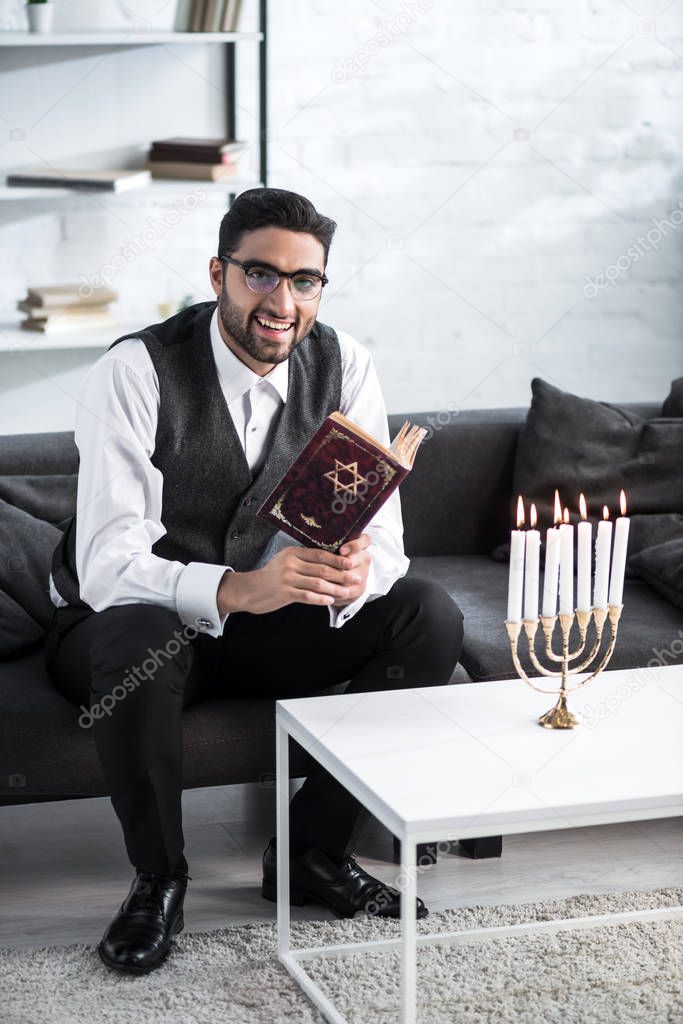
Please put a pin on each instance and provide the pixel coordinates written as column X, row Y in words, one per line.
column 206, row 623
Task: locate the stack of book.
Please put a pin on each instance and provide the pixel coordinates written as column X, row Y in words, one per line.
column 55, row 309
column 207, row 15
column 198, row 159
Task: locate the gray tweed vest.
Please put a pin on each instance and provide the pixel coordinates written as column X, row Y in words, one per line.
column 209, row 494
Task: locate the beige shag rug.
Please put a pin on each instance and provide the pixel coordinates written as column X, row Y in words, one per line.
column 618, row 974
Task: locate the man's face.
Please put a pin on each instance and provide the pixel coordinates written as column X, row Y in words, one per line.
column 241, row 311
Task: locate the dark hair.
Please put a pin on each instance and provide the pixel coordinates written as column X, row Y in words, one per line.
column 272, row 207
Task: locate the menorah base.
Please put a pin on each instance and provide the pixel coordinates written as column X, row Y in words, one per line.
column 559, row 717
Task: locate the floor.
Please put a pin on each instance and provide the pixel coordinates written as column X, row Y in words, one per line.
column 64, row 869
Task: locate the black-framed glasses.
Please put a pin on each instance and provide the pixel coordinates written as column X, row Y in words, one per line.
column 262, row 278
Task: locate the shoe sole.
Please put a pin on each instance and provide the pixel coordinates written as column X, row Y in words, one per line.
column 299, row 897
column 144, row 969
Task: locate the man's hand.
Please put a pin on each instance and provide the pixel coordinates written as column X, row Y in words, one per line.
column 299, row 574
column 357, row 552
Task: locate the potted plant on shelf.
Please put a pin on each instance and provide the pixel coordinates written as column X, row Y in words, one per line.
column 40, row 14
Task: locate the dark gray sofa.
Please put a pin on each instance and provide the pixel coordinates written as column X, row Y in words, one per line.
column 456, row 510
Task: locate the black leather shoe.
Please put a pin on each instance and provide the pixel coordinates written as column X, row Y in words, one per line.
column 344, row 887
column 139, row 937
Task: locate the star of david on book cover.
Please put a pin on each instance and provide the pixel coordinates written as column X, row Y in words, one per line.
column 339, row 482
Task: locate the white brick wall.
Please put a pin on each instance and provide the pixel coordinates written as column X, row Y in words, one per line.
column 463, row 243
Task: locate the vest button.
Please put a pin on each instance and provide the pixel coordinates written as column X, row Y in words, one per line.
column 248, row 501
column 235, row 534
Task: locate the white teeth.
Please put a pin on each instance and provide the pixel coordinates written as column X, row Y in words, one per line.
column 273, row 326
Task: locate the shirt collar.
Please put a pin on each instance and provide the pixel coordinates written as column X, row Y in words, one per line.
column 235, row 376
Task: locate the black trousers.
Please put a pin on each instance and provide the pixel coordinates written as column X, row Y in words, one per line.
column 411, row 636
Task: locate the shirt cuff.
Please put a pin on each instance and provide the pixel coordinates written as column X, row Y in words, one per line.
column 340, row 616
column 197, row 597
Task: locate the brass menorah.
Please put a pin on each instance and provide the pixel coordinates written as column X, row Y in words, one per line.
column 559, row 716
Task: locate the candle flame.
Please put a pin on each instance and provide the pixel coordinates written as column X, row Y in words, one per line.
column 558, row 509
column 582, row 507
column 520, row 512
column 605, row 512
column 622, row 503
column 565, row 518
column 532, row 516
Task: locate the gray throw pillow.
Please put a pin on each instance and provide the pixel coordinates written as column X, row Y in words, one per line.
column 579, row 445
column 26, row 546
column 662, row 567
column 673, row 403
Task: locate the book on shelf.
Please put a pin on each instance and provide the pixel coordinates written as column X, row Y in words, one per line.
column 339, row 482
column 73, row 309
column 197, row 15
column 209, row 15
column 184, row 150
column 60, row 309
column 196, row 172
column 105, row 181
column 213, row 16
column 66, row 323
column 67, row 295
column 189, row 156
column 182, row 21
column 231, row 15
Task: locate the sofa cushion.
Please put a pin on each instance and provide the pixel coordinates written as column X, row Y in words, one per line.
column 478, row 585
column 44, row 752
column 662, row 567
column 26, row 546
column 51, row 497
column 18, row 631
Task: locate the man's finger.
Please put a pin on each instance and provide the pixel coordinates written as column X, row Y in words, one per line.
column 359, row 544
column 324, row 557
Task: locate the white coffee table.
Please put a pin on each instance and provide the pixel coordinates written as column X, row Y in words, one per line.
column 456, row 762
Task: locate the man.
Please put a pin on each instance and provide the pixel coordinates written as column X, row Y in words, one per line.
column 182, row 432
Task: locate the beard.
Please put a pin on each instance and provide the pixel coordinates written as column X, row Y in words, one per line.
column 239, row 327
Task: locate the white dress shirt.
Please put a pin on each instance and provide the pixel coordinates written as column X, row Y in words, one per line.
column 119, row 496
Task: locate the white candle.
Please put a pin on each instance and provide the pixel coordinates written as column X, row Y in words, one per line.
column 516, row 577
column 566, row 566
column 551, row 571
column 603, row 545
column 616, row 580
column 533, row 547
column 583, row 569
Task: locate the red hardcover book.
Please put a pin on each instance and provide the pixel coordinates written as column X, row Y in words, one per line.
column 339, row 482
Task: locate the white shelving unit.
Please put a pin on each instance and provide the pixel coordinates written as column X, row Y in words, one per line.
column 13, row 339
column 132, row 38
column 163, row 188
column 18, row 342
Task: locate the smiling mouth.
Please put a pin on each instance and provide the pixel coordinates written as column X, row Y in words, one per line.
column 276, row 330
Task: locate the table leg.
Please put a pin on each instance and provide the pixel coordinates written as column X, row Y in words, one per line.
column 408, row 889
column 282, row 828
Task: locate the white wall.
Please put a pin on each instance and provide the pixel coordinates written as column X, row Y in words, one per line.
column 482, row 159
